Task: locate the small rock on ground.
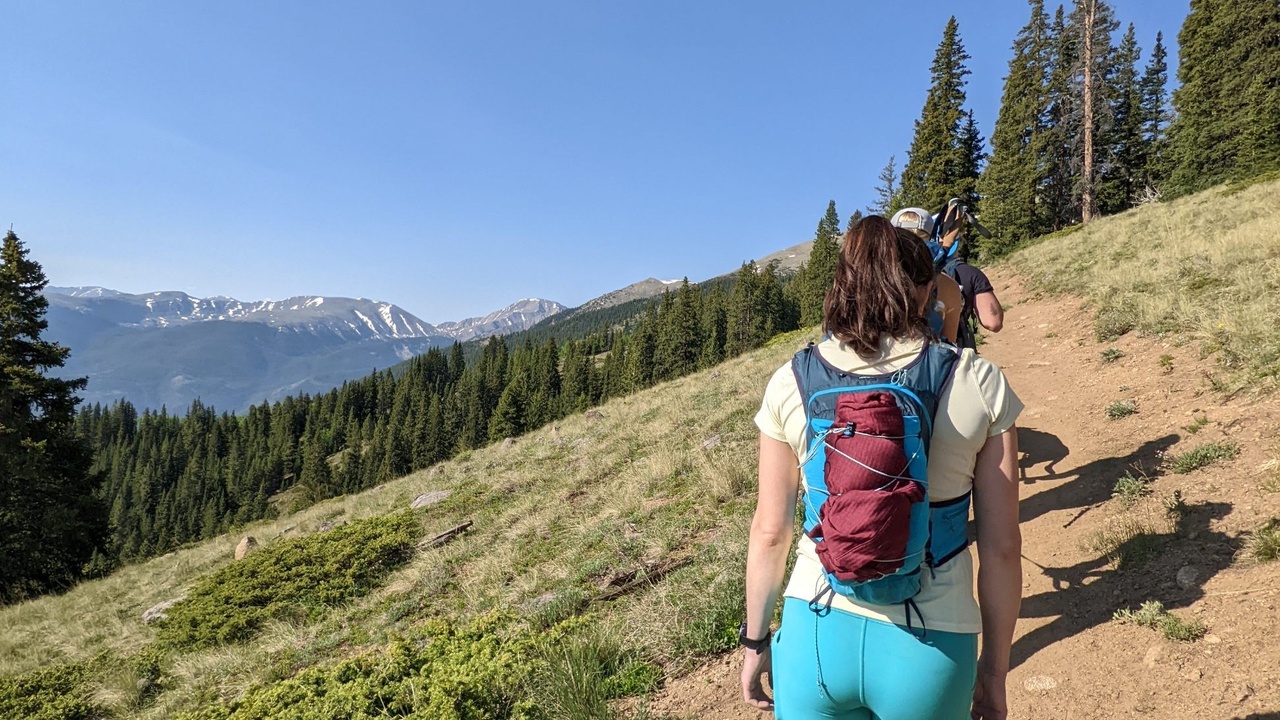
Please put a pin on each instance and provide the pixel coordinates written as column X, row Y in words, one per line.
column 428, row 499
column 156, row 612
column 1039, row 682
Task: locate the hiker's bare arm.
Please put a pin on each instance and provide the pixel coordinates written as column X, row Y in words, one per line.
column 990, row 314
column 995, row 510
column 771, row 531
column 949, row 294
column 767, row 550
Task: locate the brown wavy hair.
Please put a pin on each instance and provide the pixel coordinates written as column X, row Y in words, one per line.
column 875, row 292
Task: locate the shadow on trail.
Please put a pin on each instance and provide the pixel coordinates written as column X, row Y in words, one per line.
column 1037, row 447
column 1261, row 716
column 1092, row 483
column 1088, row 593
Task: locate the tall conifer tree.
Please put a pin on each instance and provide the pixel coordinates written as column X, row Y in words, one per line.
column 1119, row 180
column 1063, row 128
column 887, row 192
column 1154, row 117
column 1013, row 181
column 1228, row 105
column 819, row 272
column 51, row 521
column 936, row 164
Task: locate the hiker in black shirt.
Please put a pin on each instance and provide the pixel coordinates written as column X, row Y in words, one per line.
column 980, row 302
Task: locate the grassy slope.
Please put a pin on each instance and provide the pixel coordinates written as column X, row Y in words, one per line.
column 567, row 509
column 1206, row 267
column 558, row 515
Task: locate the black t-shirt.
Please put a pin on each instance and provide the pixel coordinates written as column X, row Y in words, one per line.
column 973, row 282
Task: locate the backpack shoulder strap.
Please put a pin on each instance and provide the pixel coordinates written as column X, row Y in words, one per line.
column 929, row 376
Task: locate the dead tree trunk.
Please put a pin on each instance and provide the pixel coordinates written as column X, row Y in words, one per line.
column 1088, row 204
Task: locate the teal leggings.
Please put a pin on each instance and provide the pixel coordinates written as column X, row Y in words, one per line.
column 834, row 664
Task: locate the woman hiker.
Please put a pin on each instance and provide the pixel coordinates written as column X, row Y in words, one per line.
column 836, row 655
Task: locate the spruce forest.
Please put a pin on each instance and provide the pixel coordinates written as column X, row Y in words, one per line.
column 1087, row 127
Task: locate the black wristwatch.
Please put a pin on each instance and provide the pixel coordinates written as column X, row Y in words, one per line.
column 757, row 645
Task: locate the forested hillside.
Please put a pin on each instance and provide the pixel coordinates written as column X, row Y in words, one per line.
column 171, row 479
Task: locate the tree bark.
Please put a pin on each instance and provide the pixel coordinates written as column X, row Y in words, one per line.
column 1087, row 201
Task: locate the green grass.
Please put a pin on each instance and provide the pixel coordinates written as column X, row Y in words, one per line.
column 1270, row 482
column 1203, row 266
column 1197, row 424
column 1153, row 615
column 1121, row 409
column 1129, row 489
column 1264, row 543
column 559, row 519
column 1202, row 456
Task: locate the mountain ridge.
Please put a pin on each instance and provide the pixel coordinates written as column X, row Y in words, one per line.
column 169, row 348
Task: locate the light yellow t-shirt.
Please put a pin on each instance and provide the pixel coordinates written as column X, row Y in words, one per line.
column 977, row 404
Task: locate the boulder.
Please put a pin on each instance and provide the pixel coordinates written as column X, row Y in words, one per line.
column 593, row 415
column 712, row 442
column 508, row 443
column 246, row 546
column 427, row 499
column 156, row 612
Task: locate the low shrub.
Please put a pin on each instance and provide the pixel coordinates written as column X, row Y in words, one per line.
column 441, row 671
column 1153, row 615
column 1111, row 355
column 1264, row 544
column 297, row 578
column 1121, row 409
column 1129, row 489
column 57, row 693
column 1202, row 456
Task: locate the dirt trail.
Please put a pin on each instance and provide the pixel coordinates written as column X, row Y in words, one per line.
column 1070, row 660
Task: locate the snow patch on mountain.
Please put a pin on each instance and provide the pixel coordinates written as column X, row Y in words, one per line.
column 351, row 319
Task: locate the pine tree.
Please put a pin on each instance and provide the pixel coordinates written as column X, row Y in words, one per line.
column 1126, row 155
column 51, row 521
column 819, row 272
column 1013, row 180
column 887, row 192
column 973, row 153
column 1154, row 119
column 855, row 217
column 1060, row 141
column 936, row 164
column 714, row 329
column 1227, row 123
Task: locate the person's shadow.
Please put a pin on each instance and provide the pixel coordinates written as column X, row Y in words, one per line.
column 1094, row 482
column 1088, row 593
column 1038, row 447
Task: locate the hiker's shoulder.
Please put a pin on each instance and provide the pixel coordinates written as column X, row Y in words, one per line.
column 981, row 371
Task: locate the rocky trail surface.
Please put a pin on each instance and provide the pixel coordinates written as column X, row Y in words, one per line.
column 1087, row 555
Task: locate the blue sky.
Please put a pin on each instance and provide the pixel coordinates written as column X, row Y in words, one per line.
column 452, row 157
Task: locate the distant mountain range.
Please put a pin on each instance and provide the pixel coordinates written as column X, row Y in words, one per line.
column 169, row 348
